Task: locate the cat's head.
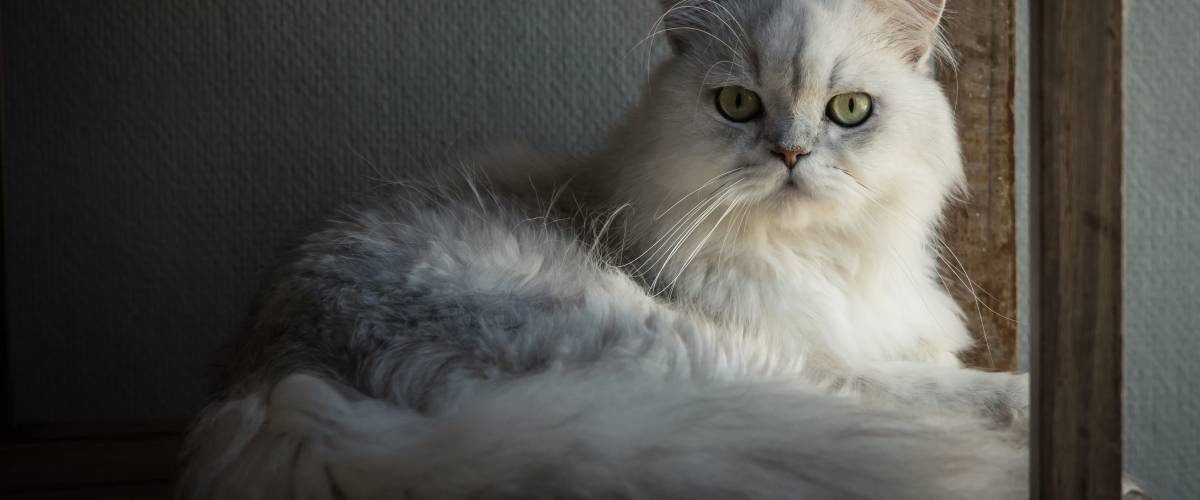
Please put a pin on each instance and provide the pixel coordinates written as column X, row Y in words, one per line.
column 804, row 112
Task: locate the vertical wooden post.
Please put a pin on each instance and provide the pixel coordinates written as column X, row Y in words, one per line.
column 6, row 391
column 1077, row 125
column 981, row 272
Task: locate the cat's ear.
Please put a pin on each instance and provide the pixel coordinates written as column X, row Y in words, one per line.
column 929, row 15
column 919, row 26
column 683, row 22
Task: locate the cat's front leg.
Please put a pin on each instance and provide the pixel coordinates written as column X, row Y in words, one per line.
column 1001, row 398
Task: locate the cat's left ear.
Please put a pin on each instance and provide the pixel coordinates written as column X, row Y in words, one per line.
column 919, row 23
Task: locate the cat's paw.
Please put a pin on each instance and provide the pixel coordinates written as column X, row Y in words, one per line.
column 1131, row 491
column 1018, row 394
column 1007, row 403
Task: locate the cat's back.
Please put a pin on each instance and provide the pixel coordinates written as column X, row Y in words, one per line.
column 427, row 283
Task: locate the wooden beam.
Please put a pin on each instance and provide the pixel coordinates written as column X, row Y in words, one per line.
column 6, row 378
column 90, row 468
column 981, row 272
column 1077, row 126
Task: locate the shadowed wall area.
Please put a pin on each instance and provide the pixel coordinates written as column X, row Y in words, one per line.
column 160, row 153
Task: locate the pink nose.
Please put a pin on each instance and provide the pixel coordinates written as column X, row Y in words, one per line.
column 791, row 155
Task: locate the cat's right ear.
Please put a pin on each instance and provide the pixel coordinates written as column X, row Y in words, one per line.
column 685, row 21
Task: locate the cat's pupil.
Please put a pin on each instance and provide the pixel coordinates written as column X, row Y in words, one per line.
column 851, row 105
column 737, row 101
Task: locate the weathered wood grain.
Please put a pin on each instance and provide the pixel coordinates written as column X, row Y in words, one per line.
column 980, row 269
column 1078, row 235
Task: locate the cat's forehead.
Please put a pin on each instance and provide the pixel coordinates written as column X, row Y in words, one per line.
column 790, row 43
column 793, row 45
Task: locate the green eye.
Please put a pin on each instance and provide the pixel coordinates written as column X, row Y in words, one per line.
column 849, row 110
column 738, row 104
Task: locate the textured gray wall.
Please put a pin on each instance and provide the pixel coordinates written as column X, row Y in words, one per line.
column 1162, row 245
column 160, row 152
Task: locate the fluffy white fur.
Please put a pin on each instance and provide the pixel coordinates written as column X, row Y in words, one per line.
column 600, row 435
column 844, row 270
column 710, row 325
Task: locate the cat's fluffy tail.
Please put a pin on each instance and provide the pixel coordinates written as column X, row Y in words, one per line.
column 581, row 437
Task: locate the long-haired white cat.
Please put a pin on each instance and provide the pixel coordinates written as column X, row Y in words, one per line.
column 737, row 298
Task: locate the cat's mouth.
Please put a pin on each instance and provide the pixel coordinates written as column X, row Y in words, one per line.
column 792, row 188
column 796, row 183
column 815, row 181
column 788, row 186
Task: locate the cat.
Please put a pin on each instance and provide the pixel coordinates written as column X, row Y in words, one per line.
column 736, row 298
